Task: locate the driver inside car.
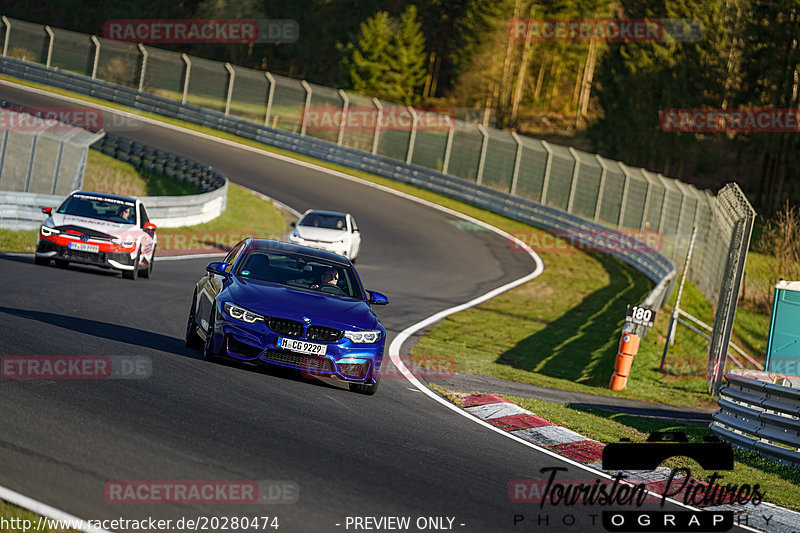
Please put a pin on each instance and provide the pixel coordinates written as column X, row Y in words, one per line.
column 329, row 277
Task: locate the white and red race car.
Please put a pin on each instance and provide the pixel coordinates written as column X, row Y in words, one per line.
column 99, row 229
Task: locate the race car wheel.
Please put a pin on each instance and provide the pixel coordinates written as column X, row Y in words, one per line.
column 208, row 348
column 131, row 274
column 41, row 261
column 147, row 272
column 193, row 340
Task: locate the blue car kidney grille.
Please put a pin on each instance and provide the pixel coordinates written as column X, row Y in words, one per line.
column 324, row 334
column 282, row 326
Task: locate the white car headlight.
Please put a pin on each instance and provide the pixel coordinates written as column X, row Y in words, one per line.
column 364, row 337
column 46, row 231
column 240, row 313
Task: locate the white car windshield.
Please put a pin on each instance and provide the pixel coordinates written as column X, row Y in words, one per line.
column 109, row 209
column 326, row 221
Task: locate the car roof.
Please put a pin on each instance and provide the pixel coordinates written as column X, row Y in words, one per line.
column 278, row 246
column 321, row 212
column 105, row 195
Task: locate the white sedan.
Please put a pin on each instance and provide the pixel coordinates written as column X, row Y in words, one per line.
column 327, row 230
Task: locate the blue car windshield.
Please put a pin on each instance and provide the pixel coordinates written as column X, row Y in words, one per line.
column 300, row 271
column 99, row 207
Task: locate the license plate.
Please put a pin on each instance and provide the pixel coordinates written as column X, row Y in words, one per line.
column 83, row 247
column 299, row 346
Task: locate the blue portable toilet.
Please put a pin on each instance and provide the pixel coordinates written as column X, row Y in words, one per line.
column 783, row 341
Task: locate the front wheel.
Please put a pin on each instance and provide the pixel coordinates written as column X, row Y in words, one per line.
column 208, row 348
column 148, row 272
column 192, row 339
column 131, row 274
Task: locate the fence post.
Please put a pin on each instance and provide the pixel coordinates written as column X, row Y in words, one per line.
column 186, row 78
column 231, row 78
column 3, row 147
column 50, row 45
column 603, row 172
column 145, row 55
column 448, row 147
column 413, row 136
column 96, row 62
column 307, row 87
column 8, row 35
column 376, row 135
column 484, row 146
column 547, row 166
column 647, row 196
column 345, row 107
column 270, row 95
column 517, row 161
column 30, row 163
column 58, row 166
column 624, row 194
column 574, row 185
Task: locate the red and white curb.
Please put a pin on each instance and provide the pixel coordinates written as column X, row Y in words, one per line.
column 524, row 424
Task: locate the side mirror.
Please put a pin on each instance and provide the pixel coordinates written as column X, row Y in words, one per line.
column 293, row 224
column 47, row 211
column 218, row 268
column 376, row 298
column 150, row 226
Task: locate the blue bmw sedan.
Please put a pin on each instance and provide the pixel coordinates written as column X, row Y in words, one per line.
column 293, row 306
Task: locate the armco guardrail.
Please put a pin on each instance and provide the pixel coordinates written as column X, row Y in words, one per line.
column 760, row 415
column 650, row 262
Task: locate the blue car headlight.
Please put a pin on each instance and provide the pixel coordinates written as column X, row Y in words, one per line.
column 364, row 337
column 245, row 315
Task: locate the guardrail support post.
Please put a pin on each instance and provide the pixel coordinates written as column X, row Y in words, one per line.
column 379, row 118
column 231, row 78
column 448, row 147
column 547, row 166
column 624, row 201
column 49, row 45
column 647, row 197
column 517, row 161
column 3, row 147
column 573, row 186
column 413, row 136
column 29, row 173
column 484, row 146
column 603, row 172
column 307, row 87
column 345, row 107
column 270, row 96
column 8, row 35
column 96, row 61
column 142, row 74
column 186, row 78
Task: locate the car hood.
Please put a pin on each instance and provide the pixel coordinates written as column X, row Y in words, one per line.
column 102, row 226
column 271, row 299
column 320, row 234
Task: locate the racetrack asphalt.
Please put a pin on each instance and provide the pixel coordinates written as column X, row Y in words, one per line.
column 395, row 454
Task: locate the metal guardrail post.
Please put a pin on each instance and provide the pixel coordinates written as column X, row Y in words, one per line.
column 548, row 165
column 231, row 78
column 602, row 187
column 517, row 162
column 49, row 45
column 663, row 207
column 270, row 96
column 647, row 197
column 624, row 201
column 345, row 107
column 8, row 35
column 304, row 121
column 145, row 55
column 482, row 160
column 376, row 135
column 413, row 136
column 58, row 167
column 574, row 185
column 29, row 173
column 3, row 148
column 186, row 77
column 448, row 147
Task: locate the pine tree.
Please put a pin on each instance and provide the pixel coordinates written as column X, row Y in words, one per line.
column 407, row 71
column 369, row 59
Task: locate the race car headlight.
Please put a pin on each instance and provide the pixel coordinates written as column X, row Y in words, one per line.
column 46, row 231
column 126, row 244
column 363, row 337
column 240, row 313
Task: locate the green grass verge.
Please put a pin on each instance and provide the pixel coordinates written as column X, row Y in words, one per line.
column 778, row 481
column 15, row 518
